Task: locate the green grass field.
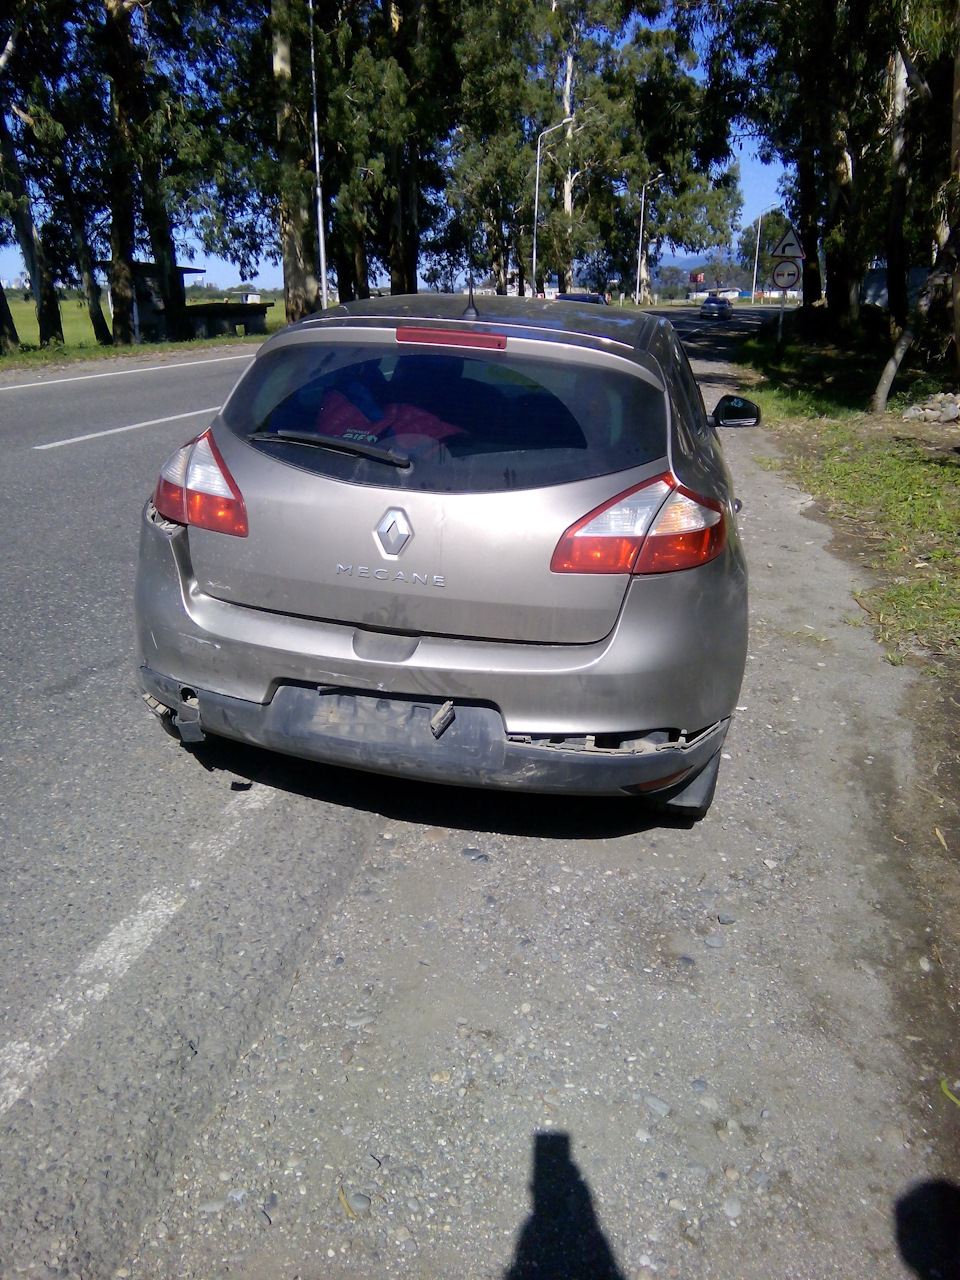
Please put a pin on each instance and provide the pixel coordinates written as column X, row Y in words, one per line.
column 77, row 330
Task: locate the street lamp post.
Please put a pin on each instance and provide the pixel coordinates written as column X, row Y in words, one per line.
column 321, row 234
column 536, row 193
column 643, row 211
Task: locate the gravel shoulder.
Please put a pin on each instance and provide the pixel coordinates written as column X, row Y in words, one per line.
column 557, row 1038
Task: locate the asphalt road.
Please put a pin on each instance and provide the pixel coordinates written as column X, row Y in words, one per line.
column 148, row 912
column 174, row 924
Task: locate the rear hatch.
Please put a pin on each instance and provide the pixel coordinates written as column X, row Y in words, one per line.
column 397, row 482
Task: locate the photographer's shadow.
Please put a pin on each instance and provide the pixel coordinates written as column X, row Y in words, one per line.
column 561, row 1239
column 928, row 1230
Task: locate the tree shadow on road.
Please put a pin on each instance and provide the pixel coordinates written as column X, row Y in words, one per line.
column 562, row 1238
column 459, row 808
column 928, row 1230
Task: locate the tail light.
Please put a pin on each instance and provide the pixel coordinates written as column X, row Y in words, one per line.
column 657, row 527
column 196, row 488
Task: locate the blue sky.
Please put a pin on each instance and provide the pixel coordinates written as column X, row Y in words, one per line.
column 758, row 182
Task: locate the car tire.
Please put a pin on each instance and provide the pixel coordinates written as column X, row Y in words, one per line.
column 695, row 797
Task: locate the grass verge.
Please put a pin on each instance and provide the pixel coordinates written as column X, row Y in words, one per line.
column 893, row 485
column 79, row 343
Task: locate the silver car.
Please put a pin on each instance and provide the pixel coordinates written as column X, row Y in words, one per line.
column 492, row 549
column 716, row 307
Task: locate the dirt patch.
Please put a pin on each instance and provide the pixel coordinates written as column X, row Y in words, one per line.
column 927, row 817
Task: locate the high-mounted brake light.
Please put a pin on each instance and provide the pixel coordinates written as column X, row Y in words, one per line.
column 656, row 527
column 453, row 338
column 195, row 487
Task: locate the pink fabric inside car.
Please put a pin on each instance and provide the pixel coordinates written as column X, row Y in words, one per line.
column 339, row 417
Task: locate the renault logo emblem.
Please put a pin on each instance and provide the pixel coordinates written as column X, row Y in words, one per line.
column 394, row 532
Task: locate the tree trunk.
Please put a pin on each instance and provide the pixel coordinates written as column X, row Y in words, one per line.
column 344, row 268
column 160, row 230
column 121, row 167
column 411, row 225
column 91, row 290
column 31, row 245
column 955, row 180
column 568, row 178
column 644, row 276
column 497, row 249
column 299, row 282
column 361, row 269
column 944, row 272
column 809, row 219
column 897, row 298
column 843, row 277
column 9, row 338
column 121, row 259
column 402, row 239
column 78, row 230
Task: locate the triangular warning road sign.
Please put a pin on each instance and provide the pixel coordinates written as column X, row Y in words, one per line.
column 789, row 246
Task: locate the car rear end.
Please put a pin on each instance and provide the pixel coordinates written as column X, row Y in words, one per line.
column 461, row 551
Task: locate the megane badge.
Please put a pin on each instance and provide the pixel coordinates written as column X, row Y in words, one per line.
column 394, row 532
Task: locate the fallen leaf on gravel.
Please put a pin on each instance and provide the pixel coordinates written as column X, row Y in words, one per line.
column 343, row 1201
column 946, row 1090
column 939, row 835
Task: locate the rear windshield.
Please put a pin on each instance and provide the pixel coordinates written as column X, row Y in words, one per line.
column 458, row 423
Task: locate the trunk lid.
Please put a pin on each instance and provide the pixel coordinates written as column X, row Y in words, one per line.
column 406, row 480
column 470, row 565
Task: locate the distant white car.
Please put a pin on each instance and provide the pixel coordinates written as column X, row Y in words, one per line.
column 716, row 308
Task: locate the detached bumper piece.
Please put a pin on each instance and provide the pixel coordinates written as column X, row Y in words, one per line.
column 399, row 736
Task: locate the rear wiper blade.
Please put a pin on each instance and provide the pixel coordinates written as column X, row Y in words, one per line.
column 391, row 457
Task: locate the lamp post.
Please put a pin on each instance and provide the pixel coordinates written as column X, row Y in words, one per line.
column 756, row 252
column 321, row 234
column 536, row 193
column 643, row 213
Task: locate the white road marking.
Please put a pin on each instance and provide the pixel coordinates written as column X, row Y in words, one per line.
column 24, row 1059
column 121, row 373
column 127, row 940
column 134, row 426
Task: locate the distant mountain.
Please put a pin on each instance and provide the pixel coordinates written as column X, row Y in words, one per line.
column 686, row 263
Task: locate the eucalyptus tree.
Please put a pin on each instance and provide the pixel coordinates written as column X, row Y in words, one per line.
column 491, row 148
column 681, row 150
column 24, row 36
column 577, row 76
column 242, row 172
column 414, row 42
column 387, row 92
column 930, row 48
column 60, row 117
column 807, row 76
column 9, row 337
column 847, row 94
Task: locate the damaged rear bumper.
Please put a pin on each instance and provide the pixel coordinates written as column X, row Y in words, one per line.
column 400, row 736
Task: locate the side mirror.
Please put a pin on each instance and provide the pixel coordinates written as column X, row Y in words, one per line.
column 734, row 411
